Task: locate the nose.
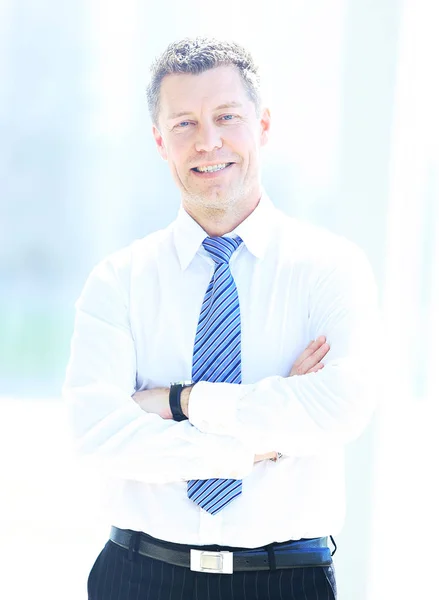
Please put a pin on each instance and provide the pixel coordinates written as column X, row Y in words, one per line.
column 208, row 138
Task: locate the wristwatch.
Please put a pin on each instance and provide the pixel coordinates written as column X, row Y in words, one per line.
column 175, row 399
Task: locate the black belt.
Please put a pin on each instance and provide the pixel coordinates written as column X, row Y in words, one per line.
column 219, row 559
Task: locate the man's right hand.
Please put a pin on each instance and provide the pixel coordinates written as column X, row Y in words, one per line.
column 308, row 362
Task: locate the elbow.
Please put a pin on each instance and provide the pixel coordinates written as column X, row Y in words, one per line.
column 350, row 403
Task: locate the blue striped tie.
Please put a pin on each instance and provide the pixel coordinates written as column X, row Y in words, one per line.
column 217, row 356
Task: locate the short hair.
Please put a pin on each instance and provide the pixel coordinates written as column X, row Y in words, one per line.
column 196, row 55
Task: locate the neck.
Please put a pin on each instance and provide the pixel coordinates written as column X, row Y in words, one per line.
column 219, row 221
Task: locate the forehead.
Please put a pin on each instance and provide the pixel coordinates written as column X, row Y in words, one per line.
column 184, row 92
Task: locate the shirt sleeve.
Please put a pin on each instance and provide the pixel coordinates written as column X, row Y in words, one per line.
column 303, row 415
column 109, row 429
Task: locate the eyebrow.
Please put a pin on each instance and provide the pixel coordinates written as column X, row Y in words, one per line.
column 220, row 107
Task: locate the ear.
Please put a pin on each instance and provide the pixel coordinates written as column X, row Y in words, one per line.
column 265, row 122
column 160, row 143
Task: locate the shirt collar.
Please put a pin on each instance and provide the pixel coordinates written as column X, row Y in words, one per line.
column 255, row 232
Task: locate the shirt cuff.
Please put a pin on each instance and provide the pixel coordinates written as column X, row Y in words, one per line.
column 235, row 463
column 213, row 406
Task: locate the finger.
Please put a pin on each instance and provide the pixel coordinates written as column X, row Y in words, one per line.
column 312, row 347
column 317, row 342
column 315, row 358
column 309, row 351
column 318, row 367
column 323, row 350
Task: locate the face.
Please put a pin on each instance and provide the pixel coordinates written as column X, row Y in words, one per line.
column 211, row 136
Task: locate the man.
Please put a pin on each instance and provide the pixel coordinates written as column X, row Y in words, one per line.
column 227, row 485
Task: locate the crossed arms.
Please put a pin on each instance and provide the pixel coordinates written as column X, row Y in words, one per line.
column 156, row 401
column 229, row 425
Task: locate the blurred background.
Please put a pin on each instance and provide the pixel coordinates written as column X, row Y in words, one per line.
column 354, row 94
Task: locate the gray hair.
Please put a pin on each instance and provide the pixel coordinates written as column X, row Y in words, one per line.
column 195, row 55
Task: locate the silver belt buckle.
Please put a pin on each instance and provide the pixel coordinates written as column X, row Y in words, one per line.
column 211, row 562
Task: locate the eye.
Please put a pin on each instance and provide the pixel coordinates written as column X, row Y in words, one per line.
column 183, row 125
column 228, row 117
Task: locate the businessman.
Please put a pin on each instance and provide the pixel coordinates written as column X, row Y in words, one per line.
column 219, row 366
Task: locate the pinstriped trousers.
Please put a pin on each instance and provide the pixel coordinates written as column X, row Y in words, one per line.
column 115, row 577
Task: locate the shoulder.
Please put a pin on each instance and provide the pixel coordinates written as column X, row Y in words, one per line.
column 117, row 267
column 324, row 260
column 317, row 247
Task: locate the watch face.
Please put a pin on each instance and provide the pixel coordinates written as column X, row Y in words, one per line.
column 185, row 383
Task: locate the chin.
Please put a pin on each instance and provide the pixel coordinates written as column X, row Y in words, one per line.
column 213, row 199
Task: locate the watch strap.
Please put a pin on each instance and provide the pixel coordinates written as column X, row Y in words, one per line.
column 175, row 401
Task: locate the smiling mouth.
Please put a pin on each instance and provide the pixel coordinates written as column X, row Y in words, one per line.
column 212, row 169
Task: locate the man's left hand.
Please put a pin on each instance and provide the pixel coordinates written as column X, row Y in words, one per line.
column 154, row 401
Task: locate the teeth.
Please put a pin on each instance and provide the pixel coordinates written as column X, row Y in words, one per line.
column 210, row 169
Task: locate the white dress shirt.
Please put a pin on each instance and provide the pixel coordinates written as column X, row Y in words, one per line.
column 135, row 329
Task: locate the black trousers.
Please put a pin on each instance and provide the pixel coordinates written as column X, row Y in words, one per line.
column 116, row 575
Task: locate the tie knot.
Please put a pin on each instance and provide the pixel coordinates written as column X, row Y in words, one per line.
column 221, row 248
